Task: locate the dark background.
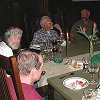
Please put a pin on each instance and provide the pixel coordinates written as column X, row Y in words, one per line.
column 26, row 13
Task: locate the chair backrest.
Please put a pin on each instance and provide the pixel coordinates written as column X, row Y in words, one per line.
column 9, row 65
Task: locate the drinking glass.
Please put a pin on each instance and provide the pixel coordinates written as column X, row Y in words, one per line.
column 54, row 48
column 85, row 61
column 58, row 57
column 68, row 61
column 89, row 94
column 93, row 69
column 95, row 40
column 48, row 51
column 60, row 41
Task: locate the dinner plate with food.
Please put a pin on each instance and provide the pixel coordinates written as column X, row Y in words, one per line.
column 75, row 83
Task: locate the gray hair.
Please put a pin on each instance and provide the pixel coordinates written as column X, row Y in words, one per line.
column 43, row 20
column 27, row 61
column 12, row 31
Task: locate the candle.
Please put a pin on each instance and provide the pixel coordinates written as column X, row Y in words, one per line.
column 67, row 36
column 67, row 50
column 67, row 45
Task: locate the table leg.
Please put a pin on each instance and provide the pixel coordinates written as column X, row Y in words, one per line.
column 51, row 94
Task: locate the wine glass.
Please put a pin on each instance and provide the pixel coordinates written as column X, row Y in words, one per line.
column 60, row 41
column 54, row 44
column 48, row 51
column 85, row 61
column 93, row 69
column 89, row 94
column 95, row 39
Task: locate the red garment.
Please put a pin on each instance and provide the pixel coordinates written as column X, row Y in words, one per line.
column 29, row 91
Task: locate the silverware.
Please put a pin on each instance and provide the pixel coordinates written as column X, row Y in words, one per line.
column 70, row 74
column 68, row 61
column 97, row 87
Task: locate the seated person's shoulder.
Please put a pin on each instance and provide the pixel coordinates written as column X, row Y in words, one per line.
column 92, row 21
column 3, row 44
column 39, row 31
column 78, row 21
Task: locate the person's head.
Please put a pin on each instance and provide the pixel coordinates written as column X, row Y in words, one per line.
column 85, row 13
column 46, row 23
column 13, row 37
column 30, row 64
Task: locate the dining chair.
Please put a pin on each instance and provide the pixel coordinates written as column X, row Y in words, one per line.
column 9, row 65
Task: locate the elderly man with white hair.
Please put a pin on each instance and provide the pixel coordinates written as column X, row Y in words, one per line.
column 47, row 33
column 11, row 42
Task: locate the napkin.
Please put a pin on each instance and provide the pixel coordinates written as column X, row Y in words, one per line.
column 96, row 59
column 64, row 43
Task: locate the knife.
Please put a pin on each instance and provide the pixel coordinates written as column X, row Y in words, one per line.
column 70, row 74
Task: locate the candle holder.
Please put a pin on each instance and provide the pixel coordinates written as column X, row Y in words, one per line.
column 67, row 50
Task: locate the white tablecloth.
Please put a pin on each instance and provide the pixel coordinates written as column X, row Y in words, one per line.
column 53, row 69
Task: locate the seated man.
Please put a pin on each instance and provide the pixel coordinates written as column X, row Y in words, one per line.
column 84, row 22
column 47, row 33
column 11, row 43
column 30, row 69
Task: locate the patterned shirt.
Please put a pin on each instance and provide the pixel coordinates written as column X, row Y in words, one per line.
column 42, row 36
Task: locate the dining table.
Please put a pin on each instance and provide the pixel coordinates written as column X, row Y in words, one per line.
column 77, row 50
column 57, row 84
column 54, row 69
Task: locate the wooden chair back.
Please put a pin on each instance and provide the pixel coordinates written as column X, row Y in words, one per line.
column 9, row 65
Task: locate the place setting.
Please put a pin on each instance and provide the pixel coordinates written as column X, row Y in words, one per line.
column 75, row 64
column 75, row 83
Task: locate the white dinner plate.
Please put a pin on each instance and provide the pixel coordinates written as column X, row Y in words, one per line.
column 75, row 83
column 80, row 65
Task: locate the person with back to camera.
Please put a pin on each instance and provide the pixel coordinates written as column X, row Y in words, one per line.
column 11, row 43
column 47, row 32
column 30, row 69
column 84, row 22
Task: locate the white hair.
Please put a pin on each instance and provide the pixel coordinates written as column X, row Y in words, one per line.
column 43, row 20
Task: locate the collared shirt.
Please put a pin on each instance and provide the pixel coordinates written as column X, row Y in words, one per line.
column 41, row 36
column 5, row 50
